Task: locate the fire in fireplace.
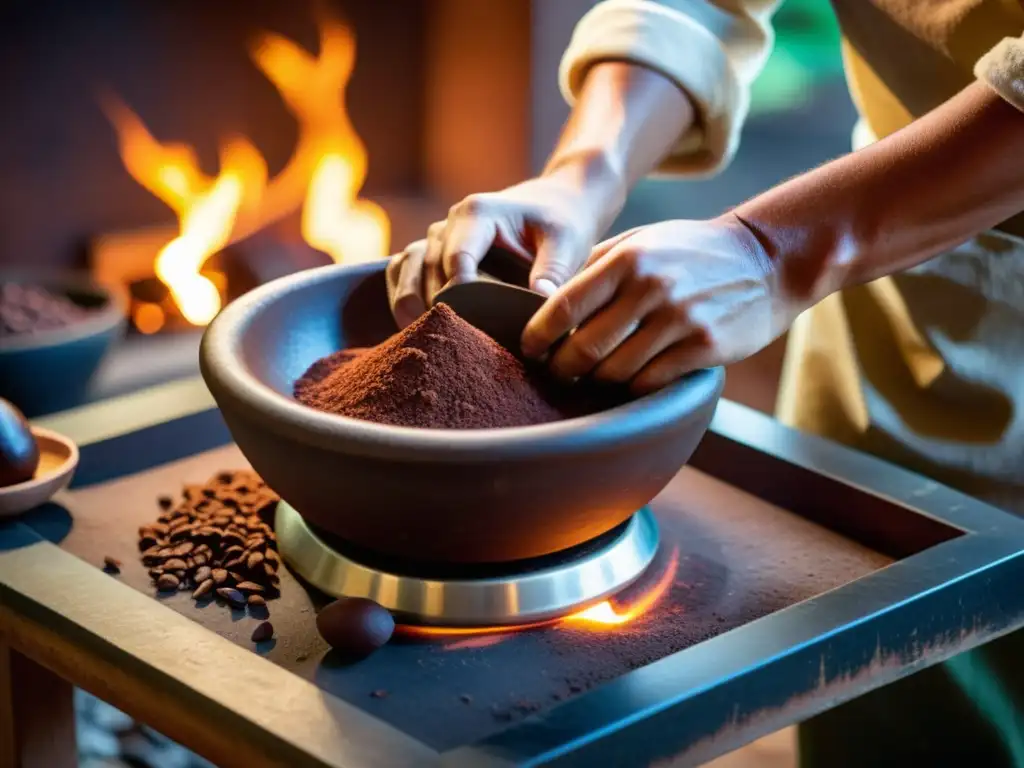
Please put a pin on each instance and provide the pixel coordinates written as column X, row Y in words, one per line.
column 443, row 98
column 322, row 178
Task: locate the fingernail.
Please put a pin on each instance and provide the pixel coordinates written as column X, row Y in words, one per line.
column 544, row 286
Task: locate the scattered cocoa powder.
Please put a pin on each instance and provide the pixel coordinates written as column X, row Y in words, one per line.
column 223, row 522
column 440, row 372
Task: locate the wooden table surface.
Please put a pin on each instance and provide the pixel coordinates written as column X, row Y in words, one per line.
column 64, row 623
column 192, row 674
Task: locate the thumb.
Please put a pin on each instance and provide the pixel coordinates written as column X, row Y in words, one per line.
column 466, row 242
column 559, row 257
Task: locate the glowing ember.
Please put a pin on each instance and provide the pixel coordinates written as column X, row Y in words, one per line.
column 323, row 176
column 148, row 317
column 603, row 615
column 410, row 630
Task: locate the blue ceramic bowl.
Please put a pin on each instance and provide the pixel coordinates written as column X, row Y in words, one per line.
column 47, row 371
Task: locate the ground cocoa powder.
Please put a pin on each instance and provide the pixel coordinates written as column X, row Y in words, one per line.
column 30, row 308
column 439, row 373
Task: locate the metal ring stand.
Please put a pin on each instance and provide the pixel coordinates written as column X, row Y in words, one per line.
column 521, row 597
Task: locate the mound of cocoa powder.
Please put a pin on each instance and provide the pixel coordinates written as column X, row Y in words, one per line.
column 440, row 373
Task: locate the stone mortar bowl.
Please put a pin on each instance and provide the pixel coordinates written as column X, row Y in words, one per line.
column 423, row 495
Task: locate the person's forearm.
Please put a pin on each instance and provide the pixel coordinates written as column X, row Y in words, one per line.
column 626, row 120
column 951, row 174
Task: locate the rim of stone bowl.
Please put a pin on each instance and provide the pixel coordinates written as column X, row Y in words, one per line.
column 637, row 421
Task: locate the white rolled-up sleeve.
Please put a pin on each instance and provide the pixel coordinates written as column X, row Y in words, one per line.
column 1003, row 69
column 712, row 49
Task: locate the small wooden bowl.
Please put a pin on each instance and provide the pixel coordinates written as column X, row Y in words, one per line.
column 58, row 459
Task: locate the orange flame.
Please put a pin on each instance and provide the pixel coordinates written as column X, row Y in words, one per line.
column 602, row 615
column 323, row 176
column 605, row 614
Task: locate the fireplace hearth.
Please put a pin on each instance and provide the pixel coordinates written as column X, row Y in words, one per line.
column 445, row 98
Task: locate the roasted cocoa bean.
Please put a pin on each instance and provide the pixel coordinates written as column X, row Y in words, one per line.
column 168, row 582
column 151, row 556
column 232, row 596
column 184, row 548
column 262, row 633
column 204, row 589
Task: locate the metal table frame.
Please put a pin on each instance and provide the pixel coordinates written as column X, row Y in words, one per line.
column 957, row 586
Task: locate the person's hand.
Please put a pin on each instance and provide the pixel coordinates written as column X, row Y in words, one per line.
column 659, row 301
column 549, row 220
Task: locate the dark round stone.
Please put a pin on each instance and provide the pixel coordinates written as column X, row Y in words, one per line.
column 355, row 627
column 19, row 454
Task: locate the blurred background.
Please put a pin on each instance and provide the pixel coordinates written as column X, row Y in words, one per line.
column 277, row 140
column 313, row 135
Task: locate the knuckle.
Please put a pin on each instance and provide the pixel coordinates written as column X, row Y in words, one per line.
column 586, row 351
column 631, row 260
column 709, row 339
column 611, row 374
column 473, row 205
column 654, row 283
column 679, row 313
column 435, row 230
